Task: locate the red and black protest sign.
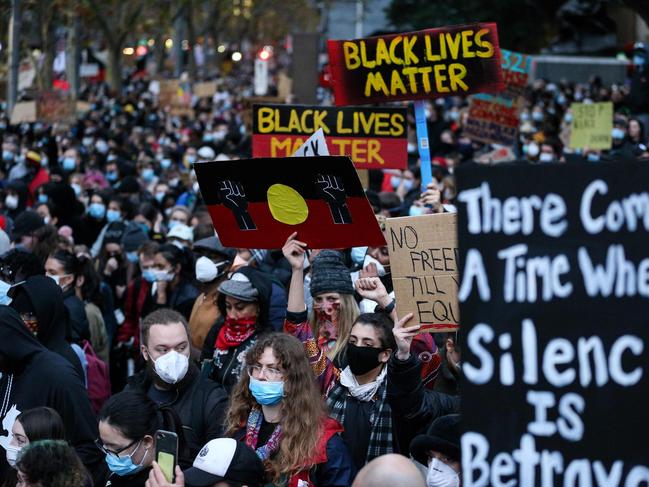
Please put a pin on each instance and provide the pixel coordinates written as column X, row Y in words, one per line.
column 258, row 203
column 553, row 298
column 431, row 63
column 374, row 138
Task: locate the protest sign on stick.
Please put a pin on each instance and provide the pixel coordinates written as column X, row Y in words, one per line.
column 592, row 124
column 374, row 138
column 553, row 296
column 423, row 262
column 54, row 106
column 24, row 111
column 447, row 61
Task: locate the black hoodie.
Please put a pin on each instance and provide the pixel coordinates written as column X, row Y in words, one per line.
column 42, row 295
column 33, row 376
column 226, row 368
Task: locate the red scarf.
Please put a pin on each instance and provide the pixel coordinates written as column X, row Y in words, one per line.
column 234, row 332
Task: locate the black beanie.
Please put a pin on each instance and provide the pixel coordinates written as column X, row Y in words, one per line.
column 330, row 275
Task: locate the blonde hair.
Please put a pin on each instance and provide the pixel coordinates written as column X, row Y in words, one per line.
column 302, row 410
column 346, row 317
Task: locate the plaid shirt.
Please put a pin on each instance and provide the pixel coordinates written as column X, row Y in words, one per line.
column 328, row 378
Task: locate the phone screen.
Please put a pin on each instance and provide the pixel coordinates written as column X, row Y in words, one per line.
column 166, row 462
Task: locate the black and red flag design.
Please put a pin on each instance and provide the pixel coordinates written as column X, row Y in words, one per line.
column 258, row 203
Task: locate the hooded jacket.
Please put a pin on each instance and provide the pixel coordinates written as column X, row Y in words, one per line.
column 46, row 300
column 226, row 368
column 33, row 376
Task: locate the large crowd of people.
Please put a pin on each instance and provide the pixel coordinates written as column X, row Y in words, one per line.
column 123, row 314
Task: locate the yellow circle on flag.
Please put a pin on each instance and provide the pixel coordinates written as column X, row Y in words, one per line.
column 287, row 205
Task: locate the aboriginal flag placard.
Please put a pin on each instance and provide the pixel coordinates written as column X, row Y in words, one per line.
column 431, row 63
column 258, row 203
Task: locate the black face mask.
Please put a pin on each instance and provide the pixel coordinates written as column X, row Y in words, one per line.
column 362, row 359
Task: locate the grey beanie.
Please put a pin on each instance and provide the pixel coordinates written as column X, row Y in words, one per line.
column 330, row 275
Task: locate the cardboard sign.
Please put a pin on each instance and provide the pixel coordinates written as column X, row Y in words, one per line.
column 496, row 156
column 205, row 90
column 316, row 145
column 176, row 96
column 416, row 65
column 54, row 106
column 553, row 298
column 25, row 111
column 423, row 261
column 494, row 119
column 592, row 124
column 258, row 203
column 374, row 138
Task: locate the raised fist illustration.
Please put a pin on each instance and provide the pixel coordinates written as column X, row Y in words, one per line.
column 233, row 196
column 331, row 189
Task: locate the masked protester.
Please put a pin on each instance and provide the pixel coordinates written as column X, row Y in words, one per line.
column 439, row 448
column 355, row 384
column 171, row 380
column 50, row 463
column 33, row 376
column 39, row 302
column 93, row 221
column 212, row 264
column 274, row 409
column 112, row 262
column 63, row 268
column 174, row 279
column 36, row 424
column 243, row 303
column 128, row 422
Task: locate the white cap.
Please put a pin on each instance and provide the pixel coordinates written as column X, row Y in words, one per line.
column 182, row 232
column 216, row 456
column 206, row 153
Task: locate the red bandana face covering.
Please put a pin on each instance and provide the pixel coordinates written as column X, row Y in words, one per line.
column 235, row 331
column 327, row 317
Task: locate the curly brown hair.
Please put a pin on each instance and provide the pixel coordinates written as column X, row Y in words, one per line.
column 302, row 410
column 52, row 463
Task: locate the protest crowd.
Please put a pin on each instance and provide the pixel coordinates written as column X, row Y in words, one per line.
column 123, row 314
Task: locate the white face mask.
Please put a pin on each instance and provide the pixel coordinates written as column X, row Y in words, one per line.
column 546, row 157
column 164, row 275
column 441, row 475
column 56, row 279
column 371, row 260
column 171, row 367
column 206, row 270
column 12, row 455
column 11, row 201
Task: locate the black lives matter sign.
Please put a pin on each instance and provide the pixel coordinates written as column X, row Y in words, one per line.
column 554, row 298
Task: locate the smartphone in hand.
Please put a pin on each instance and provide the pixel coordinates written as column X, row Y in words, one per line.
column 166, row 453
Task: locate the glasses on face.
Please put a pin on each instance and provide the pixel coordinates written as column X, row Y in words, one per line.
column 270, row 373
column 114, row 453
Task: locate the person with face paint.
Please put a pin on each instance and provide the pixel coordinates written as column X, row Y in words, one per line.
column 62, row 267
column 439, row 449
column 36, row 424
column 243, row 302
column 275, row 410
column 355, row 383
column 128, row 422
column 213, row 261
column 171, row 380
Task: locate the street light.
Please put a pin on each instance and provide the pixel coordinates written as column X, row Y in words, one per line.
column 236, row 56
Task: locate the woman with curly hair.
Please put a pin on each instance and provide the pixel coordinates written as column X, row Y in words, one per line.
column 275, row 409
column 51, row 463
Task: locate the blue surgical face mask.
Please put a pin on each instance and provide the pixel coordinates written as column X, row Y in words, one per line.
column 639, row 60
column 592, row 157
column 617, row 133
column 395, row 181
column 145, row 228
column 165, row 163
column 537, row 116
column 416, row 210
column 191, row 158
column 132, row 257
column 358, row 255
column 4, row 290
column 266, row 393
column 42, row 198
column 407, row 184
column 111, row 176
column 567, row 118
column 148, row 174
column 69, row 164
column 149, row 275
column 124, row 465
column 97, row 210
column 7, row 155
column 113, row 216
column 159, row 196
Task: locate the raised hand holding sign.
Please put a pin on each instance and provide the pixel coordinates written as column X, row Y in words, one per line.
column 332, row 190
column 233, row 196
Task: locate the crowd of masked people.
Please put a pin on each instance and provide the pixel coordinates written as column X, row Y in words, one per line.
column 122, row 314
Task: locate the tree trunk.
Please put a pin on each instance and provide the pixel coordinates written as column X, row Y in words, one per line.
column 47, row 35
column 179, row 34
column 73, row 54
column 191, row 38
column 14, row 54
column 115, row 67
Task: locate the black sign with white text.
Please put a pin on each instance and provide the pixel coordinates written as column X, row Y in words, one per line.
column 554, row 299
